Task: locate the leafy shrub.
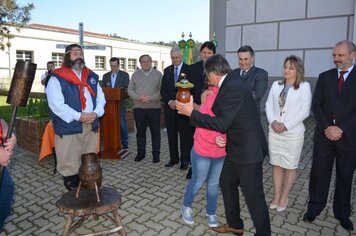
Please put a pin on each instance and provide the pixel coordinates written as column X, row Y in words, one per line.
column 38, row 108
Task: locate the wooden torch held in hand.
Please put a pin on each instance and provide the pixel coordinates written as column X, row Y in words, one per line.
column 19, row 92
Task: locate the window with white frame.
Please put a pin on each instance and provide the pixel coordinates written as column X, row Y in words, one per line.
column 131, row 64
column 24, row 55
column 100, row 62
column 57, row 58
column 122, row 62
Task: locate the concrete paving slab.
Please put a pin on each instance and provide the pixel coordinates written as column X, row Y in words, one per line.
column 152, row 195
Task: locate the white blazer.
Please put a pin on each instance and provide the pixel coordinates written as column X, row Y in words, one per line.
column 295, row 110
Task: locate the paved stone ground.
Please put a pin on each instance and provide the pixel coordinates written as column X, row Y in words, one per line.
column 152, row 195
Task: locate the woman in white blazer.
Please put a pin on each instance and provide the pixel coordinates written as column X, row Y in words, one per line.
column 287, row 105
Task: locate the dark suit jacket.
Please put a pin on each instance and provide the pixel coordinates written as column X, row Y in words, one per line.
column 197, row 77
column 236, row 114
column 257, row 80
column 122, row 81
column 328, row 104
column 168, row 88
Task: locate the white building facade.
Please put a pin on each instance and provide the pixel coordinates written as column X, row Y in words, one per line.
column 41, row 43
column 278, row 28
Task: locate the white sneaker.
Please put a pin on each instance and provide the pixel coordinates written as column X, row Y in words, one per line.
column 212, row 220
column 187, row 214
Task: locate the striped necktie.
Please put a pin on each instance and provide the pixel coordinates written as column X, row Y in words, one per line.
column 341, row 80
column 176, row 74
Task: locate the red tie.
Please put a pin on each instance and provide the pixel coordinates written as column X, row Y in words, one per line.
column 341, row 80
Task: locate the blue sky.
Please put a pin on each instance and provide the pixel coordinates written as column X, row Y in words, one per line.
column 143, row 20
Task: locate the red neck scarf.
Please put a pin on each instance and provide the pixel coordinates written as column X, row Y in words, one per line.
column 68, row 74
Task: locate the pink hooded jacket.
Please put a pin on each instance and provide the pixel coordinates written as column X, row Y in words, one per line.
column 204, row 139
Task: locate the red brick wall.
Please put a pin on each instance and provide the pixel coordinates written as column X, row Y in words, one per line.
column 29, row 132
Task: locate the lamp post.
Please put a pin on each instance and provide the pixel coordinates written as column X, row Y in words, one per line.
column 81, row 35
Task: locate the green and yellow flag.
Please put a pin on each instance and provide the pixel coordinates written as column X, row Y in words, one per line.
column 187, row 49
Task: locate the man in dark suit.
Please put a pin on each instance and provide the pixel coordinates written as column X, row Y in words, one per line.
column 174, row 122
column 236, row 114
column 334, row 108
column 117, row 78
column 197, row 76
column 256, row 78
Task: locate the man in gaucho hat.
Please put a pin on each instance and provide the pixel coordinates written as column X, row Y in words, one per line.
column 76, row 101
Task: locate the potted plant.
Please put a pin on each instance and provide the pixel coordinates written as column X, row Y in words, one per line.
column 29, row 129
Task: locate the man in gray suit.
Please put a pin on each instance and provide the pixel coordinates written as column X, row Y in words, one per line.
column 119, row 79
column 256, row 78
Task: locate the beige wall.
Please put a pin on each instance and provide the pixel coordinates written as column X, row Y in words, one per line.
column 42, row 42
column 277, row 28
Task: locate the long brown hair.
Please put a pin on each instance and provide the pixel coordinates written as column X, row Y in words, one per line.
column 298, row 64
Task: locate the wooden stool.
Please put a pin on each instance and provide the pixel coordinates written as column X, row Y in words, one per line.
column 86, row 205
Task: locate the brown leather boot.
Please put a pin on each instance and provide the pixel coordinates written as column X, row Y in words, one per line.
column 226, row 228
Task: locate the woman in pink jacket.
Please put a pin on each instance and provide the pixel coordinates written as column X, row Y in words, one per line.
column 207, row 158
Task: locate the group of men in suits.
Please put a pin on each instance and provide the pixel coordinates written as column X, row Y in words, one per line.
column 237, row 110
column 253, row 79
column 334, row 108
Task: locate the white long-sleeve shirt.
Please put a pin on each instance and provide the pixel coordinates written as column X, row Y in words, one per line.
column 61, row 109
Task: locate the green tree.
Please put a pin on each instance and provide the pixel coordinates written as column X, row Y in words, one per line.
column 12, row 15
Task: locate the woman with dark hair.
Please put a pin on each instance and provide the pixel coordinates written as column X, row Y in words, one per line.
column 207, row 158
column 196, row 76
column 288, row 104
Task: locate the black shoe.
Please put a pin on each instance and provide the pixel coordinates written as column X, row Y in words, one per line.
column 171, row 163
column 139, row 158
column 155, row 160
column 184, row 165
column 71, row 182
column 309, row 217
column 346, row 224
column 189, row 174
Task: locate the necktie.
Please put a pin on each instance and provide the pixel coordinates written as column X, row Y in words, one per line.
column 113, row 80
column 341, row 80
column 243, row 73
column 176, row 73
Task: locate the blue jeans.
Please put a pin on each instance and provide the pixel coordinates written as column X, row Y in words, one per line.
column 6, row 195
column 123, row 130
column 207, row 170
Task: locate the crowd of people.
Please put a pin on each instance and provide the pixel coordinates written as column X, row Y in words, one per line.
column 217, row 137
